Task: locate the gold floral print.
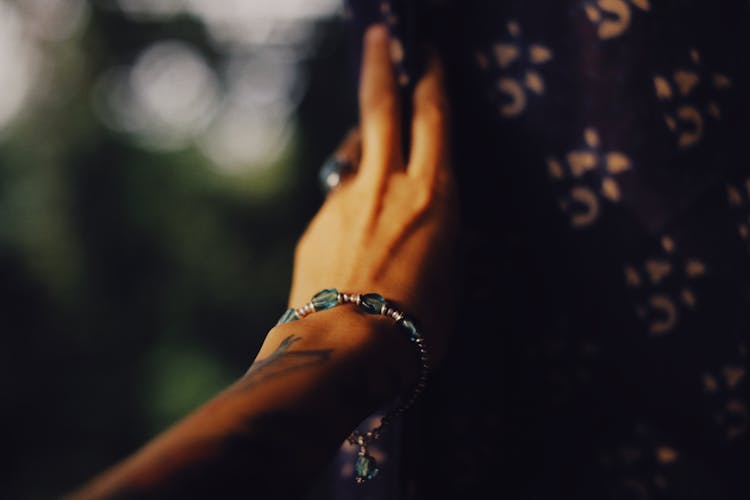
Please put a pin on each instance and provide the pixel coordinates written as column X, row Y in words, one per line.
column 664, row 286
column 686, row 113
column 613, row 17
column 590, row 175
column 645, row 462
column 725, row 385
column 738, row 197
column 518, row 63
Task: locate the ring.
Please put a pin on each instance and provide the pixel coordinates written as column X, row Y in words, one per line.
column 333, row 171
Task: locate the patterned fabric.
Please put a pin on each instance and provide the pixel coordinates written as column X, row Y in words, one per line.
column 602, row 153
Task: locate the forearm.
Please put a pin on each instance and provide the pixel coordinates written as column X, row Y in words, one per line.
column 273, row 430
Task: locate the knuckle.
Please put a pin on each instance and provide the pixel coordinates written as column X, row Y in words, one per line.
column 384, row 105
column 432, row 111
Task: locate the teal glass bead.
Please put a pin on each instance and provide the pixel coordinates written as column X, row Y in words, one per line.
column 371, row 303
column 288, row 316
column 365, row 468
column 325, row 299
column 411, row 329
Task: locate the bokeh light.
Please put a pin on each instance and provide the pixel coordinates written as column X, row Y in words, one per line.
column 255, row 123
column 158, row 162
column 55, row 20
column 171, row 98
column 18, row 63
column 165, row 99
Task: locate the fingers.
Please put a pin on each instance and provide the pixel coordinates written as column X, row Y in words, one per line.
column 379, row 109
column 429, row 155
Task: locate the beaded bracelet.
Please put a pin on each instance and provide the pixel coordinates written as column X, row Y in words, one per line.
column 365, row 467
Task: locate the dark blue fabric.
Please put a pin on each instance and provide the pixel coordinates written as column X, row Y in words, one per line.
column 603, row 154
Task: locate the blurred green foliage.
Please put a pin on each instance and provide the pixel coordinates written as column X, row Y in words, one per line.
column 135, row 284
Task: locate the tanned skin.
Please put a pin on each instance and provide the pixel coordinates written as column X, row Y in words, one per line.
column 388, row 228
column 277, row 427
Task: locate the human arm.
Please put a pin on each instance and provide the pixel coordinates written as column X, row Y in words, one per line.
column 389, row 229
column 272, row 431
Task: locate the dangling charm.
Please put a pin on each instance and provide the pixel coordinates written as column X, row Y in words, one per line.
column 365, row 468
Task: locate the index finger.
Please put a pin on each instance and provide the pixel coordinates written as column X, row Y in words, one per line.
column 379, row 108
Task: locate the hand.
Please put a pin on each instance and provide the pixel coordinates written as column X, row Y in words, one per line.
column 391, row 227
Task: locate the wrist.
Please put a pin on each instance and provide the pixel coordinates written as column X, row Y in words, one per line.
column 361, row 346
column 367, row 353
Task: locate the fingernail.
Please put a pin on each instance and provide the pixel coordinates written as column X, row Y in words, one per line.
column 377, row 33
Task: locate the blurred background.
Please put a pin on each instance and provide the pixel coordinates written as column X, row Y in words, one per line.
column 158, row 161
